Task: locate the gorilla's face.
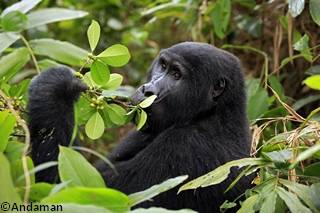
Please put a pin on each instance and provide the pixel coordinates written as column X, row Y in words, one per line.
column 187, row 79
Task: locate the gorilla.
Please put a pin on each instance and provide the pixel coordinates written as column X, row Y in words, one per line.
column 197, row 123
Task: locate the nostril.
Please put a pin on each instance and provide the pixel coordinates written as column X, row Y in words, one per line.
column 143, row 88
column 148, row 93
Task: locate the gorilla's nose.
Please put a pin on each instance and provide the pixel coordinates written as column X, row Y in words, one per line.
column 148, row 89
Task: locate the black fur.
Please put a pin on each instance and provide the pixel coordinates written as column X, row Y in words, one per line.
column 197, row 123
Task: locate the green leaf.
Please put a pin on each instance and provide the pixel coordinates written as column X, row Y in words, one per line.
column 6, row 39
column 314, row 8
column 39, row 191
column 73, row 166
column 154, row 190
column 292, row 201
column 50, row 15
column 269, row 203
column 95, row 126
column 221, row 16
column 57, row 50
column 93, row 34
column 313, row 82
column 122, row 91
column 258, row 104
column 17, row 172
column 315, row 191
column 296, row 7
column 248, row 205
column 7, row 123
column 148, row 101
column 142, row 119
column 100, row 73
column 116, row 114
column 88, row 80
column 110, row 199
column 302, row 191
column 279, row 156
column 305, row 101
column 312, row 170
column 14, row 21
column 22, row 6
column 8, row 191
column 14, row 150
column 12, row 63
column 117, row 55
column 220, row 174
column 302, row 43
column 114, row 81
column 306, row 154
column 47, row 63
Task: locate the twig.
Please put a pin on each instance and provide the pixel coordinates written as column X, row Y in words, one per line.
column 23, row 124
column 31, row 53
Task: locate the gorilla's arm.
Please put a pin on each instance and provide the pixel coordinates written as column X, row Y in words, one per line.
column 52, row 95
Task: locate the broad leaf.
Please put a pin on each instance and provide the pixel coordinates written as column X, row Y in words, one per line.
column 12, row 63
column 296, row 7
column 110, row 199
column 220, row 174
column 17, row 172
column 292, row 201
column 269, row 203
column 59, row 50
column 39, row 191
column 6, row 39
column 114, row 81
column 14, row 21
column 95, row 126
column 75, row 168
column 116, row 114
column 7, row 123
column 8, row 191
column 50, row 15
column 142, row 119
column 248, row 205
column 100, row 73
column 154, row 190
column 72, row 208
column 93, row 34
column 148, row 101
column 313, row 82
column 314, row 7
column 221, row 16
column 117, row 55
column 22, row 6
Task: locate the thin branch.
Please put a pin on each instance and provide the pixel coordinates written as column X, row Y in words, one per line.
column 31, row 53
column 23, row 124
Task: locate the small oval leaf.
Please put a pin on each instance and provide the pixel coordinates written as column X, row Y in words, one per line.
column 148, row 101
column 93, row 34
column 313, row 82
column 14, row 21
column 117, row 55
column 114, row 82
column 95, row 126
column 314, row 8
column 142, row 119
column 100, row 73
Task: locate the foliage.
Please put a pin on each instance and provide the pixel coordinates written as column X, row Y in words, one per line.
column 280, row 55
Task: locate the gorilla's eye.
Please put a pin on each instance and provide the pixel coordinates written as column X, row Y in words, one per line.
column 176, row 74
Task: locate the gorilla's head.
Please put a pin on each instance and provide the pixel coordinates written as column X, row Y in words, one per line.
column 192, row 81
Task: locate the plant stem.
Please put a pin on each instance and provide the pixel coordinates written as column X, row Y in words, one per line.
column 23, row 124
column 31, row 53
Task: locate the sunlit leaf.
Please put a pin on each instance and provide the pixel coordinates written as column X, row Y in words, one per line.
column 93, row 34
column 6, row 39
column 116, row 114
column 142, row 119
column 220, row 17
column 100, row 73
column 50, row 15
column 248, row 205
column 14, row 21
column 313, row 82
column 114, row 82
column 314, row 7
column 117, row 55
column 110, row 199
column 148, row 101
column 296, row 7
column 95, row 126
column 22, row 6
column 7, row 123
column 154, row 190
column 75, row 168
column 59, row 50
column 8, row 191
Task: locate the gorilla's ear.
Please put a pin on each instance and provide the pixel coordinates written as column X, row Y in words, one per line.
column 218, row 88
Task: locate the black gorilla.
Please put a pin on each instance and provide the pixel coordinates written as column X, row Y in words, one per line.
column 197, row 123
